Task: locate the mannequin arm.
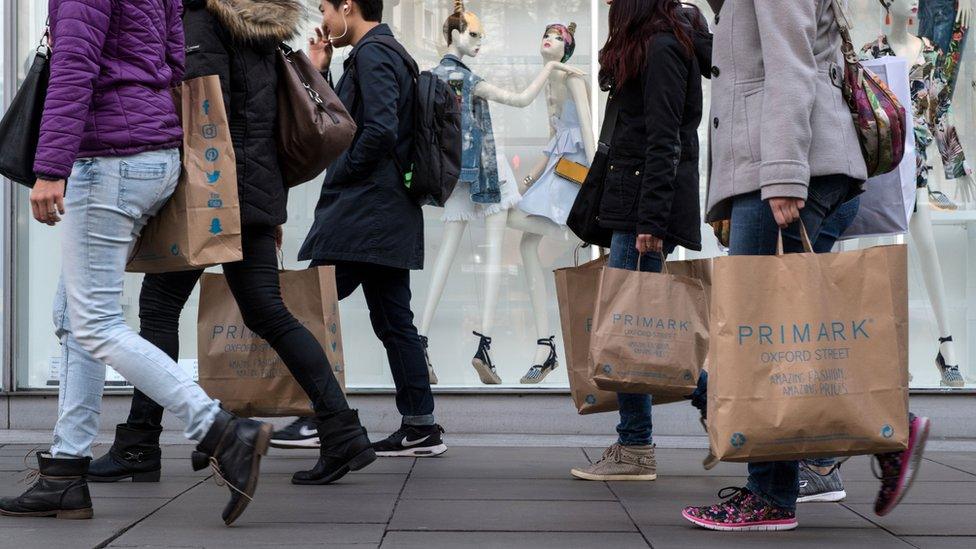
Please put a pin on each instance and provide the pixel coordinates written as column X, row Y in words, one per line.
column 534, row 174
column 965, row 14
column 525, row 97
column 581, row 98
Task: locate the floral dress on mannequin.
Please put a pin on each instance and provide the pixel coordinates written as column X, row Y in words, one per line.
column 930, row 78
column 552, row 196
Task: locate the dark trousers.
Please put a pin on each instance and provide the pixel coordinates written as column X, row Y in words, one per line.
column 387, row 291
column 255, row 285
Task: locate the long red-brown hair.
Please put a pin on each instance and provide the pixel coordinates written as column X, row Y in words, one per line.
column 632, row 22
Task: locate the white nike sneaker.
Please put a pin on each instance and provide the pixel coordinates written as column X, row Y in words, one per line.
column 412, row 441
column 301, row 433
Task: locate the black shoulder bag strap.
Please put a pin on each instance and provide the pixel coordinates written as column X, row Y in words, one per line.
column 610, row 118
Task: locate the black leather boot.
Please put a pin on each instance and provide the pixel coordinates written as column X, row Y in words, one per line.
column 345, row 447
column 60, row 491
column 233, row 448
column 135, row 454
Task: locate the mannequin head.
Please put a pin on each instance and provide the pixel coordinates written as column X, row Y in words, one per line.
column 463, row 31
column 902, row 9
column 559, row 42
column 345, row 19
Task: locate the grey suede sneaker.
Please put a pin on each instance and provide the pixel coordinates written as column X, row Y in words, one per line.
column 815, row 487
column 621, row 463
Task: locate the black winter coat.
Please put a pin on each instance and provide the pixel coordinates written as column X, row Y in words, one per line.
column 364, row 213
column 236, row 40
column 652, row 183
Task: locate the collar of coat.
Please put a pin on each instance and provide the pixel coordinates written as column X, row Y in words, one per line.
column 258, row 20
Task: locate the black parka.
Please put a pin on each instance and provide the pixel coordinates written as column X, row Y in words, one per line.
column 236, row 40
column 652, row 183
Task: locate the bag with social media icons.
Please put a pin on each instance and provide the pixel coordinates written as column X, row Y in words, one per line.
column 809, row 355
column 200, row 225
column 240, row 369
column 650, row 332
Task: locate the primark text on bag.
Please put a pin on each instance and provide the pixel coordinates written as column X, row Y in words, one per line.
column 809, row 355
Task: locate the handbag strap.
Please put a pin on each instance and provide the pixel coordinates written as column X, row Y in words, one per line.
column 844, row 22
column 610, row 118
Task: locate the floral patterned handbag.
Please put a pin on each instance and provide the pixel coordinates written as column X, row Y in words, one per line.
column 879, row 117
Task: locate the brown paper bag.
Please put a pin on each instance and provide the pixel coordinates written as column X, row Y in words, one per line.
column 242, row 370
column 809, row 355
column 200, row 226
column 650, row 333
column 576, row 289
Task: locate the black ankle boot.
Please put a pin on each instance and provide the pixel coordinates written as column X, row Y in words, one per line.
column 233, row 448
column 60, row 491
column 345, row 447
column 135, row 454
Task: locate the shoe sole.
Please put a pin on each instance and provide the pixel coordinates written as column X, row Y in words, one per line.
column 427, row 451
column 533, row 381
column 360, row 461
column 824, row 497
column 764, row 526
column 261, row 443
column 67, row 514
column 295, row 444
column 917, row 446
column 151, row 476
column 611, row 478
column 488, row 377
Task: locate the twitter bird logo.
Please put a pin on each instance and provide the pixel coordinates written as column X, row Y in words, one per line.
column 213, row 176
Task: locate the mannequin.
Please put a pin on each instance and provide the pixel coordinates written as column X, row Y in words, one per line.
column 464, row 34
column 542, row 212
column 904, row 44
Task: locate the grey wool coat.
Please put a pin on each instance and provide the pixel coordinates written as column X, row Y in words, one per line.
column 778, row 113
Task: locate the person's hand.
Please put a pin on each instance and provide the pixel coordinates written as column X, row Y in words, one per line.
column 47, row 201
column 320, row 48
column 786, row 211
column 647, row 243
column 556, row 65
column 965, row 13
column 279, row 236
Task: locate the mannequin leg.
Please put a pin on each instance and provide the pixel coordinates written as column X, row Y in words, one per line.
column 924, row 239
column 453, row 231
column 495, row 227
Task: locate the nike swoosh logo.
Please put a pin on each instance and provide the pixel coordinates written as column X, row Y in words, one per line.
column 803, row 484
column 408, row 443
column 306, row 432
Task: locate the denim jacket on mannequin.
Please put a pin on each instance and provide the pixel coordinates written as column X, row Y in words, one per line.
column 479, row 165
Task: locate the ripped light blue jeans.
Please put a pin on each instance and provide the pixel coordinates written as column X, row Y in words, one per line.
column 108, row 201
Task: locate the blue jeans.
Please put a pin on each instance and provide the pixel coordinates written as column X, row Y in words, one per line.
column 754, row 232
column 937, row 20
column 108, row 202
column 635, row 409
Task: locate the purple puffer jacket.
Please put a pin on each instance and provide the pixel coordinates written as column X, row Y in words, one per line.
column 113, row 64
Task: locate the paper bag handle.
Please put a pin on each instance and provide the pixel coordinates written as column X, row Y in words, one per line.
column 664, row 262
column 583, row 246
column 804, row 238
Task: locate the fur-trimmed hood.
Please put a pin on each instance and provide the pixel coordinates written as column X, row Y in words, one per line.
column 258, row 20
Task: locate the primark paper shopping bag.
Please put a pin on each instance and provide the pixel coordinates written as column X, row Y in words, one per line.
column 809, row 355
column 200, row 226
column 242, row 370
column 650, row 333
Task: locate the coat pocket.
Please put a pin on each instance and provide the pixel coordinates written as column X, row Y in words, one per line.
column 621, row 189
column 753, row 104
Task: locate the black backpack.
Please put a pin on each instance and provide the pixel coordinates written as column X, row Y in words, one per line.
column 434, row 168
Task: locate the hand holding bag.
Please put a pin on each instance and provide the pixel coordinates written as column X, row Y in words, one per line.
column 314, row 127
column 20, row 128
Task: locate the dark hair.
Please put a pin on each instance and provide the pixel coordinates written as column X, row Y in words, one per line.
column 372, row 10
column 631, row 24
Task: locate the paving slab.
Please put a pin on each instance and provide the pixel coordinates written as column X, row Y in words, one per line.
column 505, row 489
column 865, row 491
column 683, row 537
column 501, row 463
column 512, row 516
column 212, row 534
column 507, row 540
column 112, row 515
column 912, row 519
column 942, row 542
column 959, row 460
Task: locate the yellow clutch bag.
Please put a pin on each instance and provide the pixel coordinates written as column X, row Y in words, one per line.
column 571, row 171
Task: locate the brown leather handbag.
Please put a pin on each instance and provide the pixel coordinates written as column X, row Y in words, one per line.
column 314, row 127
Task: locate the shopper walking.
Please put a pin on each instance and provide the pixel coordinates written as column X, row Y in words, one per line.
column 652, row 64
column 110, row 129
column 237, row 39
column 366, row 224
column 784, row 150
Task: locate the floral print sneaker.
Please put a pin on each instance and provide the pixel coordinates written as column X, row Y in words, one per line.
column 898, row 469
column 741, row 510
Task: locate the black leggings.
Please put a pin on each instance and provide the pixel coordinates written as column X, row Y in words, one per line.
column 254, row 283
